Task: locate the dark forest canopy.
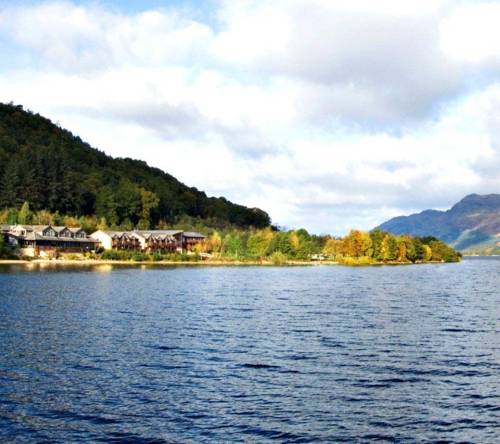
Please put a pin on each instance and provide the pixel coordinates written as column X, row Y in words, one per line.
column 56, row 171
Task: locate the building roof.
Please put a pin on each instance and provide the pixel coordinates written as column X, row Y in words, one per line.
column 31, row 227
column 166, row 235
column 157, row 232
column 35, row 232
column 112, row 233
column 193, row 234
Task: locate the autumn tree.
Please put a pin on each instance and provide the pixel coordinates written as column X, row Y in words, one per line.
column 43, row 217
column 102, row 224
column 427, row 253
column 357, row 244
column 259, row 242
column 333, row 248
column 215, row 242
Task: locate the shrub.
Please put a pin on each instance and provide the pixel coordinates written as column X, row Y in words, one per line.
column 139, row 257
column 278, row 258
column 362, row 260
column 157, row 257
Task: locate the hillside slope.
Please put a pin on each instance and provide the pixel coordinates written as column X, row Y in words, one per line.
column 471, row 226
column 55, row 170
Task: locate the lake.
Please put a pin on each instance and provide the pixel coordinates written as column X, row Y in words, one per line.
column 250, row 354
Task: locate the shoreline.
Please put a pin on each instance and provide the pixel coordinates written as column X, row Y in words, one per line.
column 162, row 263
column 217, row 263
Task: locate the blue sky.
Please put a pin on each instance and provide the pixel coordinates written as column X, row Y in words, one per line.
column 327, row 114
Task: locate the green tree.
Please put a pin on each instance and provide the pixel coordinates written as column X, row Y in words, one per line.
column 10, row 184
column 259, row 242
column 377, row 237
column 281, row 243
column 149, row 203
column 25, row 215
column 106, row 206
column 233, row 245
column 12, row 216
column 389, row 249
column 418, row 247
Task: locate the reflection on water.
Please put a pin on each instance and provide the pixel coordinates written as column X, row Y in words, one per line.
column 303, row 354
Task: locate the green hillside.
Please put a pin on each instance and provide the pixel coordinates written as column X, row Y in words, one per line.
column 56, row 171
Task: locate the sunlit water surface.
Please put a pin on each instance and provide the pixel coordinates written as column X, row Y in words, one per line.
column 249, row 354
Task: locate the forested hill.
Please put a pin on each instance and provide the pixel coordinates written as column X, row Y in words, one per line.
column 56, row 171
column 471, row 226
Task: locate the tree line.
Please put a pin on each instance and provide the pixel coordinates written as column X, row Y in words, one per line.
column 233, row 243
column 358, row 247
column 382, row 247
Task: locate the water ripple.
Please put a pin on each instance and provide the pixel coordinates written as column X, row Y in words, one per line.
column 295, row 355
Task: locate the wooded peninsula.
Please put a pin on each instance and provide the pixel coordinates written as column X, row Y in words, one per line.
column 56, row 183
column 252, row 245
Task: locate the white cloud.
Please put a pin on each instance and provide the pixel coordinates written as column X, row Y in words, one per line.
column 87, row 38
column 327, row 114
column 471, row 33
column 351, row 61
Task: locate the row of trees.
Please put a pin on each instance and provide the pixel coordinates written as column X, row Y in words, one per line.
column 263, row 243
column 90, row 223
column 380, row 246
column 357, row 247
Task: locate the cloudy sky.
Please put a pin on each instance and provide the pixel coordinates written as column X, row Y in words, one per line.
column 327, row 114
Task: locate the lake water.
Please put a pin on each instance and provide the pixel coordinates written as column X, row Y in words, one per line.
column 249, row 354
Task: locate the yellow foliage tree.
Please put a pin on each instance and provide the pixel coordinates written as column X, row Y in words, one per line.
column 43, row 217
column 294, row 240
column 259, row 241
column 333, row 248
column 427, row 253
column 357, row 243
column 215, row 242
column 402, row 251
column 103, row 224
column 70, row 221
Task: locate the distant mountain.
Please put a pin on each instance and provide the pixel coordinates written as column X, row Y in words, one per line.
column 56, row 171
column 471, row 226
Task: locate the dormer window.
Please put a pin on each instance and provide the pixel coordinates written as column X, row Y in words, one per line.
column 49, row 232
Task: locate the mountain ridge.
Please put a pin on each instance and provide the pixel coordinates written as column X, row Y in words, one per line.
column 472, row 225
